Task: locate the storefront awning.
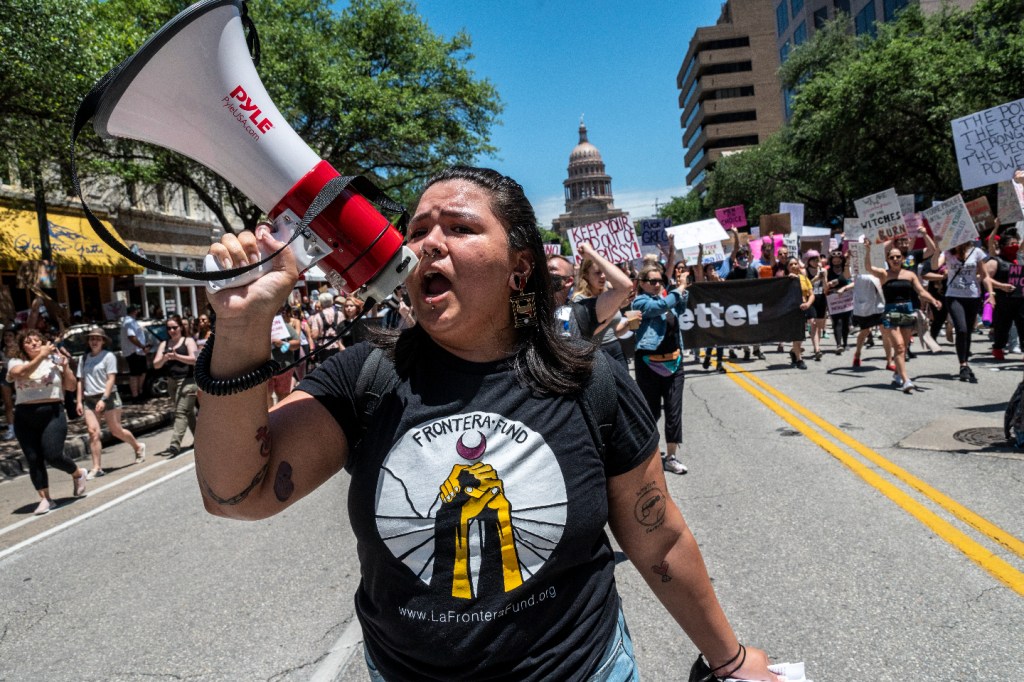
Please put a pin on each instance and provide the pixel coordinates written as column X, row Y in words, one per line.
column 76, row 247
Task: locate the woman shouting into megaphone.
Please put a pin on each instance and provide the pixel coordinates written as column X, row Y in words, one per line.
column 480, row 491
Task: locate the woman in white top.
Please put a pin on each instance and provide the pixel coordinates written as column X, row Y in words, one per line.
column 98, row 396
column 40, row 376
column 965, row 280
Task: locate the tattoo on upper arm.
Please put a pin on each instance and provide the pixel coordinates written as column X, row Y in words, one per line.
column 263, row 436
column 283, row 484
column 650, row 506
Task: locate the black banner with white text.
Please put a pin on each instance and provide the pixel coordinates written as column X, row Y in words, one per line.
column 743, row 312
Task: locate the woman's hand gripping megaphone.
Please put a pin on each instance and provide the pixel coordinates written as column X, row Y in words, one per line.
column 253, row 305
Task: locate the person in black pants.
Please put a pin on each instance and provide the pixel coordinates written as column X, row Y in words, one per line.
column 40, row 376
column 1006, row 275
column 965, row 280
column 839, row 282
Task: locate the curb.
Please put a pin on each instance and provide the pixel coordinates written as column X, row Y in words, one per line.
column 77, row 446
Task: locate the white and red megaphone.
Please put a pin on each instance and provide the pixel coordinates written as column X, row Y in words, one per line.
column 192, row 88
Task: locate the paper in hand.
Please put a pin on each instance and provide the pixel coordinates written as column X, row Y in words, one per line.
column 791, row 672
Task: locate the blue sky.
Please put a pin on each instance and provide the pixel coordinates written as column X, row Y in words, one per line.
column 614, row 62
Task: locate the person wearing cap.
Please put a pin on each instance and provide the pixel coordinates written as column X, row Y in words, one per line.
column 98, row 397
column 134, row 346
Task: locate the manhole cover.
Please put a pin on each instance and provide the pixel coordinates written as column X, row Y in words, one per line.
column 982, row 436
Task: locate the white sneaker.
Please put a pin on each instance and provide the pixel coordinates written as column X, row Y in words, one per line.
column 45, row 505
column 140, row 454
column 79, row 483
column 670, row 463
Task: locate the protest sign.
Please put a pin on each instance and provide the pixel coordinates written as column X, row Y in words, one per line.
column 792, row 244
column 652, row 231
column 779, row 223
column 553, row 249
column 732, row 216
column 796, row 213
column 1010, row 203
column 981, row 214
column 915, row 221
column 852, row 230
column 757, row 246
column 278, row 330
column 951, row 223
column 990, row 144
column 882, row 220
column 816, row 243
column 906, row 203
column 840, row 303
column 742, row 312
column 856, row 257
column 700, row 232
column 713, row 253
column 615, row 239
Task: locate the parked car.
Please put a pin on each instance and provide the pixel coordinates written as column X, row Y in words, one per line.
column 75, row 341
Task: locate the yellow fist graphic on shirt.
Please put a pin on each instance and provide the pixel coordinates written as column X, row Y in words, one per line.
column 475, row 494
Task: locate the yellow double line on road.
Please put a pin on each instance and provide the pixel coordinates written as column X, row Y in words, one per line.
column 975, row 551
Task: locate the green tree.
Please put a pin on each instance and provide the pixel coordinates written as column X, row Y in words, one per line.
column 372, row 90
column 684, row 209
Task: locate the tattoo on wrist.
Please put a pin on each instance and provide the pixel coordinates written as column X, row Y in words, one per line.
column 650, row 506
column 662, row 570
column 240, row 497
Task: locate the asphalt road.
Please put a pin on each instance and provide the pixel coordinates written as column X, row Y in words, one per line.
column 871, row 534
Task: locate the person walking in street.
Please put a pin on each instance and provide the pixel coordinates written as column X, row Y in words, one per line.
column 40, row 375
column 593, row 283
column 1005, row 273
column 838, row 282
column 97, row 396
column 8, row 350
column 796, row 270
column 898, row 318
column 135, row 347
column 966, row 279
column 817, row 274
column 179, row 355
column 476, row 483
column 659, row 356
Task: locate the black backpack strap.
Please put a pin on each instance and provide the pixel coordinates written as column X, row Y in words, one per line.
column 600, row 402
column 377, row 379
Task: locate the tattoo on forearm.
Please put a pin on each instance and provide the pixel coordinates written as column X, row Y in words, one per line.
column 283, row 484
column 263, row 436
column 240, row 497
column 650, row 507
column 662, row 570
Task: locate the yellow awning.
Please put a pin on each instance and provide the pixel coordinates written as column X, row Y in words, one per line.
column 76, row 247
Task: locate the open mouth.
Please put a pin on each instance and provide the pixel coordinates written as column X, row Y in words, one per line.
column 435, row 284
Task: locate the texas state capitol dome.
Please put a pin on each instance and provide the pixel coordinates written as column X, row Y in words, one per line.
column 588, row 188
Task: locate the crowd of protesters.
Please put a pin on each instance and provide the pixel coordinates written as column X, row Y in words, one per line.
column 630, row 310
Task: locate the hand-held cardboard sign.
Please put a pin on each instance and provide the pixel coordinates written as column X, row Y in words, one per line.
column 732, row 216
column 881, row 220
column 615, row 239
column 951, row 223
column 990, row 144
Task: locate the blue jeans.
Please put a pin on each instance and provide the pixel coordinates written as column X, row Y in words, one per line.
column 618, row 664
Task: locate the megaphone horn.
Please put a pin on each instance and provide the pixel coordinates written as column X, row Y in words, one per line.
column 192, row 88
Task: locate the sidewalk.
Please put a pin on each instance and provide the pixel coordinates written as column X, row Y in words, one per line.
column 154, row 414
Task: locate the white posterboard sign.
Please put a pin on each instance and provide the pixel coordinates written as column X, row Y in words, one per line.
column 278, row 330
column 857, row 250
column 1011, row 202
column 700, row 232
column 713, row 253
column 951, row 223
column 792, row 244
column 615, row 239
column 988, row 147
column 881, row 219
column 795, row 211
column 840, row 303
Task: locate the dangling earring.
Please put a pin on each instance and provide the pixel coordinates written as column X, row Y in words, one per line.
column 524, row 308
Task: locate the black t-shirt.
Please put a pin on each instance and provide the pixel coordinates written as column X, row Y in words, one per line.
column 524, row 590
column 736, row 272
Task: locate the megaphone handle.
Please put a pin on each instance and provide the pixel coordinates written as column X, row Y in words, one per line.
column 210, row 264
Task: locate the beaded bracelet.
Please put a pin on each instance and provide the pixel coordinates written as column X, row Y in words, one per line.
column 221, row 387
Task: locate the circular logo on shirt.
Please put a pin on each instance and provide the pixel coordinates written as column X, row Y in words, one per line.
column 472, row 504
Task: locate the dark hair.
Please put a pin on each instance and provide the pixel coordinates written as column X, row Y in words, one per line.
column 24, row 334
column 1009, row 233
column 544, row 360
